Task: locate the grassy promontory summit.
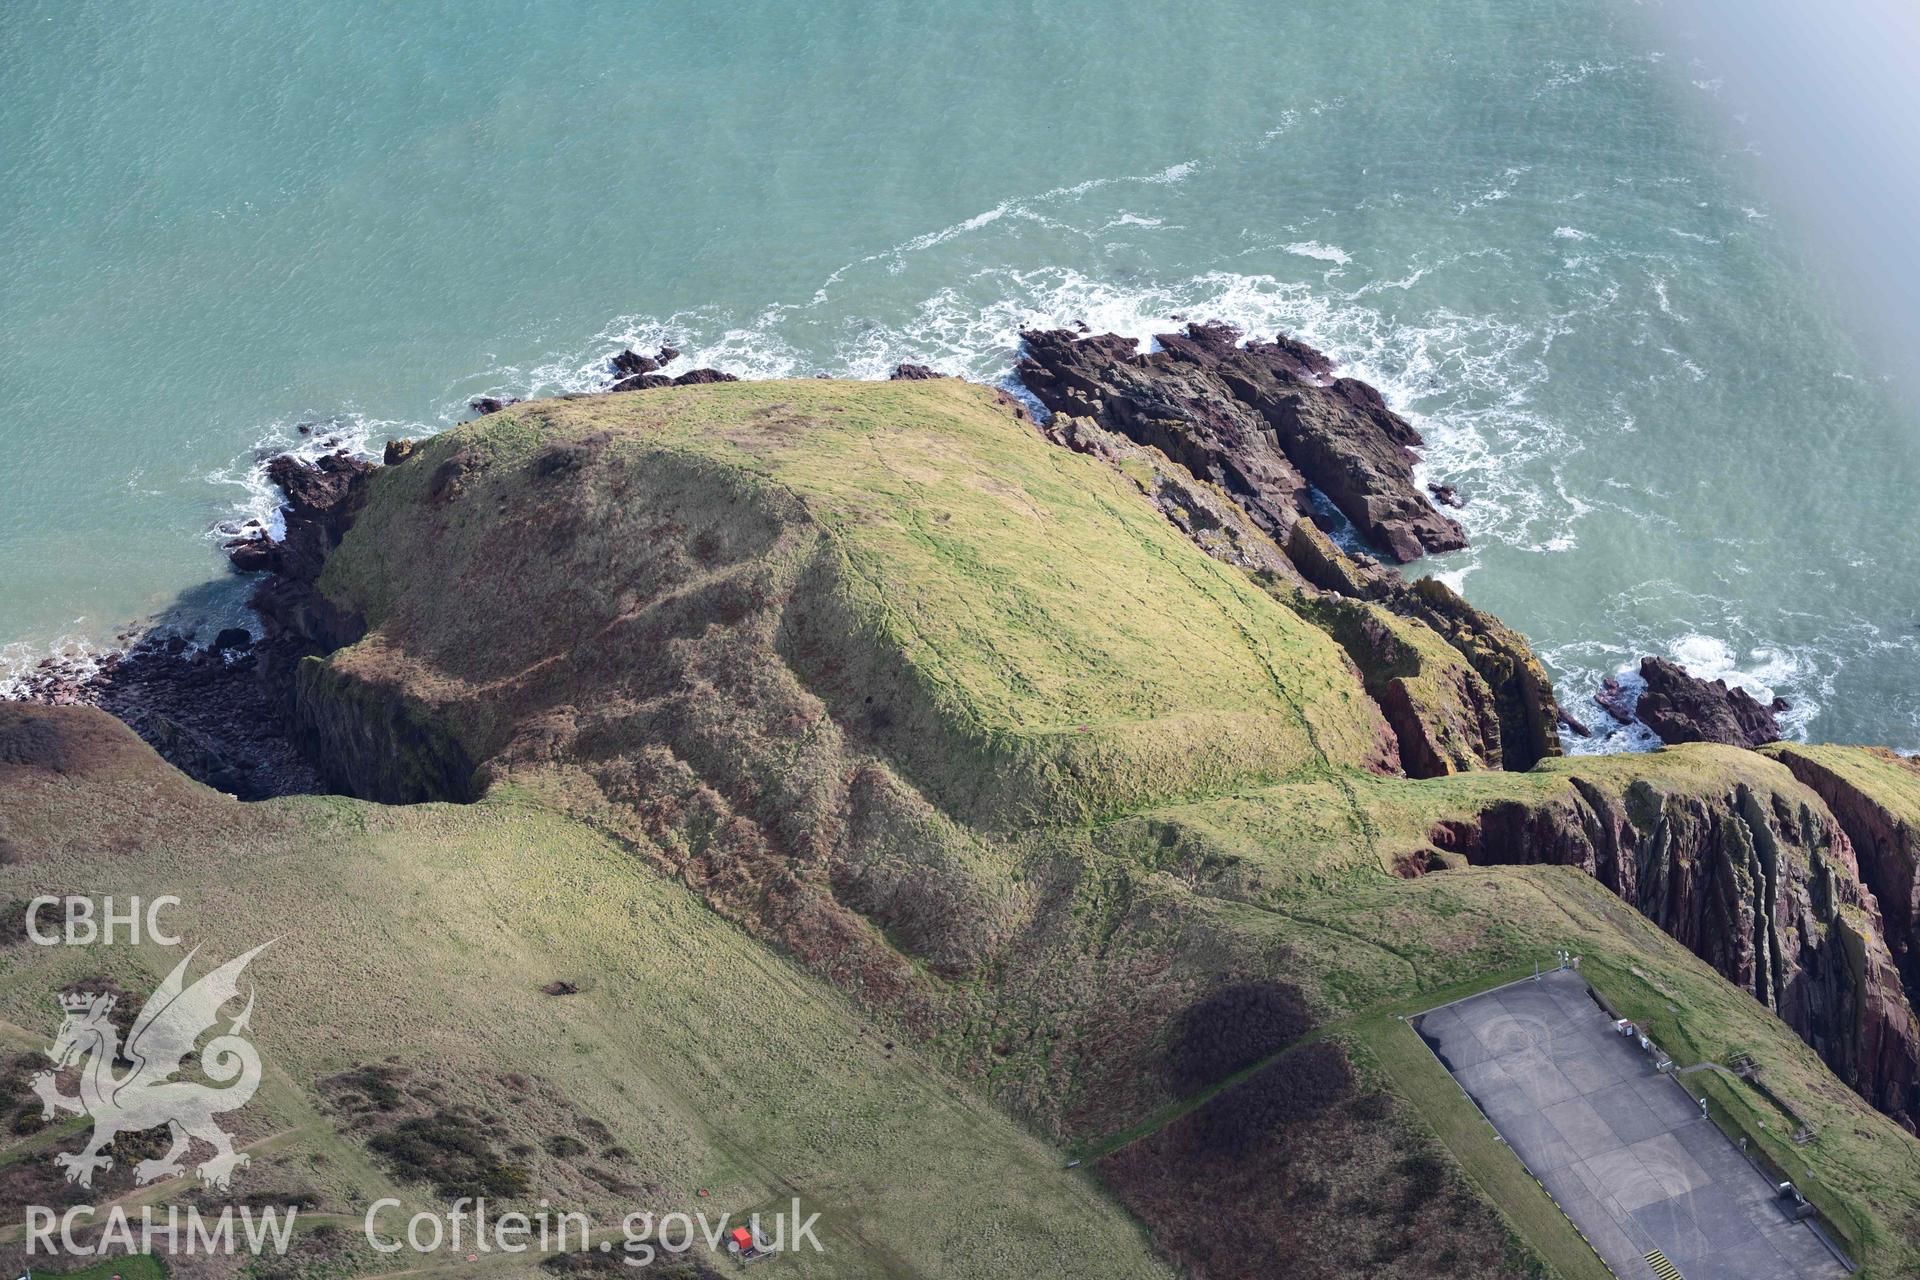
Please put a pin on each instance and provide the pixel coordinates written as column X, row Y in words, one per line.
column 900, row 799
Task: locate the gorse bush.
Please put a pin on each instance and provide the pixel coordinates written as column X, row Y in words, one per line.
column 447, row 1151
column 1284, row 1093
column 378, row 1084
column 1231, row 1030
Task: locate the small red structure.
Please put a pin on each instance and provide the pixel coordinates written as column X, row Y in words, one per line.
column 743, row 1244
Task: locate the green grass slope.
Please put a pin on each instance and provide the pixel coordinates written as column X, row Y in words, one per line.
column 1041, row 645
column 417, row 941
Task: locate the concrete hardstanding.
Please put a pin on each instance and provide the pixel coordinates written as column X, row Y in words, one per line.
column 1622, row 1147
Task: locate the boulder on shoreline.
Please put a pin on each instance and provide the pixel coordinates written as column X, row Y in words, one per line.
column 700, row 377
column 1684, row 708
column 1614, row 699
column 633, row 371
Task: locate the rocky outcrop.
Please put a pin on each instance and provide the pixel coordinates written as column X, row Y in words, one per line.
column 912, row 373
column 1268, row 422
column 223, row 712
column 321, row 498
column 1614, row 699
column 1442, row 713
column 212, row 711
column 1523, row 699
column 1445, row 719
column 1875, row 796
column 1523, row 693
column 1681, row 707
column 1757, row 879
column 635, row 372
column 1486, row 704
column 629, row 362
column 1213, row 520
column 1684, row 708
column 259, row 719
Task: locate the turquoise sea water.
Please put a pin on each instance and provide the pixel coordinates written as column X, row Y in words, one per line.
column 1532, row 222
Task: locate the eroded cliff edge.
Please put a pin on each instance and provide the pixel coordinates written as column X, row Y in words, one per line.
column 1752, row 872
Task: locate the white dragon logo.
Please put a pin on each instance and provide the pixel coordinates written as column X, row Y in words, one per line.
column 146, row 1095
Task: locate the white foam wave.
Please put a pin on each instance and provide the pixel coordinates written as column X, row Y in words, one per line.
column 1027, row 208
column 1664, row 302
column 309, row 439
column 1324, row 252
column 1761, row 671
column 1287, row 120
column 78, row 652
column 1563, row 76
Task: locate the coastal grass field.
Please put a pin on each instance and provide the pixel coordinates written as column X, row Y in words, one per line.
column 423, row 937
column 689, row 1060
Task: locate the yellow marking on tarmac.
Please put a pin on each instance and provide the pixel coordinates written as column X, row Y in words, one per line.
column 1662, row 1268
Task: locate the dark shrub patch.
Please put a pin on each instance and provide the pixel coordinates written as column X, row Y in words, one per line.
column 561, row 459
column 563, row 1145
column 1423, row 1177
column 323, row 1252
column 1370, row 1106
column 687, row 1267
column 135, row 1145
column 299, row 1196
column 1281, row 1094
column 16, row 1091
column 1231, row 1030
column 615, row 1183
column 446, row 1150
column 13, row 912
column 1285, row 1175
column 378, row 1086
